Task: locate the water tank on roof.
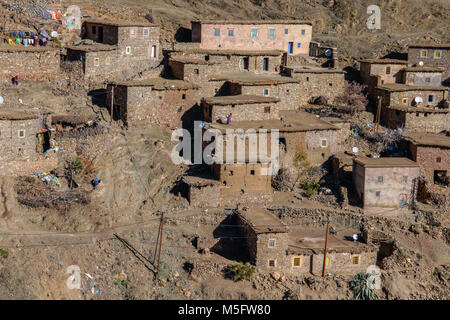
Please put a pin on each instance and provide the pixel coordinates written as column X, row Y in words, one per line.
column 328, row 53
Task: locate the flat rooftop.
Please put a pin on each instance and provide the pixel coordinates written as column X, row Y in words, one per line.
column 93, row 47
column 393, row 87
column 239, row 99
column 293, row 121
column 430, row 45
column 429, row 140
column 250, row 78
column 423, row 69
column 226, row 52
column 417, row 109
column 191, row 60
column 309, row 69
column 263, row 221
column 385, row 162
column 384, row 61
column 304, row 240
column 159, row 84
column 21, row 48
column 15, row 115
column 121, row 23
column 285, row 22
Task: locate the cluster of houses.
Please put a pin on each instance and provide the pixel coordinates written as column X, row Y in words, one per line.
column 263, row 73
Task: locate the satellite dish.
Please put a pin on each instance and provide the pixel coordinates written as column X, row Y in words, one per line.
column 54, row 34
column 328, row 52
column 418, row 99
column 355, row 149
column 355, row 237
column 421, row 63
column 1, row 100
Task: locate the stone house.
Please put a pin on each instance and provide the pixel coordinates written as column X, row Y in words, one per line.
column 422, row 76
column 291, row 36
column 242, row 108
column 432, row 55
column 24, row 137
column 119, row 49
column 376, row 72
column 153, row 102
column 432, row 153
column 385, row 182
column 413, row 107
column 29, row 63
column 313, row 82
column 274, row 246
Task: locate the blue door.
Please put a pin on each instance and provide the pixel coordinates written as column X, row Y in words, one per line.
column 290, row 47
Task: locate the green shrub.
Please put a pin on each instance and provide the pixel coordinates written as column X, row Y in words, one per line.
column 76, row 166
column 31, row 179
column 361, row 289
column 4, row 253
column 239, row 271
column 312, row 187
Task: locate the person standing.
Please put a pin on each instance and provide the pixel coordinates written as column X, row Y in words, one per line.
column 229, row 118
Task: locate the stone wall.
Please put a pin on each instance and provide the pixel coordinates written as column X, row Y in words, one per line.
column 420, row 121
column 203, row 197
column 29, row 64
column 23, row 168
column 420, row 78
column 240, row 112
column 426, row 157
column 342, row 262
column 246, row 178
column 18, row 139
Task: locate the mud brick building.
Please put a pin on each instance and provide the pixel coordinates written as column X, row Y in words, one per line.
column 315, row 82
column 291, row 36
column 242, row 107
column 422, row 76
column 432, row 55
column 385, row 182
column 286, row 89
column 376, row 72
column 119, row 47
column 298, row 132
column 29, row 63
column 157, row 101
column 400, row 108
column 432, row 153
column 21, row 149
column 274, row 246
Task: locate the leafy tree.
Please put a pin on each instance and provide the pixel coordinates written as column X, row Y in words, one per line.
column 361, row 289
column 239, row 271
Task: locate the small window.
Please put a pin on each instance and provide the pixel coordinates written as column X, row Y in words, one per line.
column 330, row 84
column 271, row 243
column 180, row 109
column 107, row 61
column 299, row 45
column 254, row 33
column 388, row 70
column 327, row 260
column 405, row 100
column 252, row 172
column 324, row 143
column 145, row 32
column 128, row 50
column 196, row 71
column 183, row 96
column 230, row 173
column 271, row 33
column 286, row 31
column 430, row 98
column 380, row 178
column 132, row 32
column 297, row 262
column 266, row 109
column 438, row 159
column 216, row 32
column 266, row 64
column 231, row 32
column 423, row 53
column 427, row 79
column 21, row 134
column 153, row 52
column 96, row 62
column 307, row 78
column 355, row 259
column 404, row 179
column 377, row 194
column 266, row 92
column 272, row 263
column 437, row 54
column 303, row 32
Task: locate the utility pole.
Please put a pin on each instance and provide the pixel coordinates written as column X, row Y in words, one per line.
column 326, row 247
column 159, row 243
column 378, row 116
